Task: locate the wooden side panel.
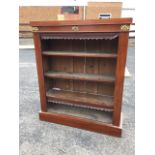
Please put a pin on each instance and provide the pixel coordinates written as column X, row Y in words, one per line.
column 39, row 62
column 120, row 68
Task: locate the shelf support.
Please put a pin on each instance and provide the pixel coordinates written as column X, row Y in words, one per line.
column 39, row 62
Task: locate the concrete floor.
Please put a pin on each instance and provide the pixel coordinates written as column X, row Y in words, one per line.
column 42, row 138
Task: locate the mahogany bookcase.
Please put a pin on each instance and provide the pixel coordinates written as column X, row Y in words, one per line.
column 80, row 68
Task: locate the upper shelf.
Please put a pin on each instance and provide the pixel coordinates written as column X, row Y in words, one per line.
column 80, row 54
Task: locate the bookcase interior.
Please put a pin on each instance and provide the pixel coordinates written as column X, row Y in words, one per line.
column 76, row 45
column 81, row 76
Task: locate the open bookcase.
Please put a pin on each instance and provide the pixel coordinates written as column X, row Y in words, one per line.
column 81, row 72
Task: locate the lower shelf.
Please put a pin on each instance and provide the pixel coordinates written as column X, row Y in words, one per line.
column 83, row 99
column 92, row 114
column 60, row 115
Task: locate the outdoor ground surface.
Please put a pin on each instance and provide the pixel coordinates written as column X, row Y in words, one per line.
column 42, row 138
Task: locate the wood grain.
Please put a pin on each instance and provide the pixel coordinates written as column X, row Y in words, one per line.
column 120, row 68
column 80, row 76
column 113, row 21
column 81, row 98
column 80, row 54
column 81, row 123
column 83, row 112
column 39, row 62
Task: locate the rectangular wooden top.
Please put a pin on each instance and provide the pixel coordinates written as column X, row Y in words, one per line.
column 113, row 21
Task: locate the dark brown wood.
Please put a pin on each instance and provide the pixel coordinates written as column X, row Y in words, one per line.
column 80, row 76
column 80, row 111
column 104, row 46
column 81, row 28
column 62, row 84
column 80, row 36
column 120, row 68
column 105, row 89
column 81, row 123
column 81, row 98
column 113, row 21
column 78, row 67
column 41, row 81
column 83, row 66
column 83, row 25
column 80, row 54
column 81, row 63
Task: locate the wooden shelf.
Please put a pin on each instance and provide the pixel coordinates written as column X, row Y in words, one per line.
column 80, row 76
column 80, row 54
column 102, row 116
column 77, row 98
